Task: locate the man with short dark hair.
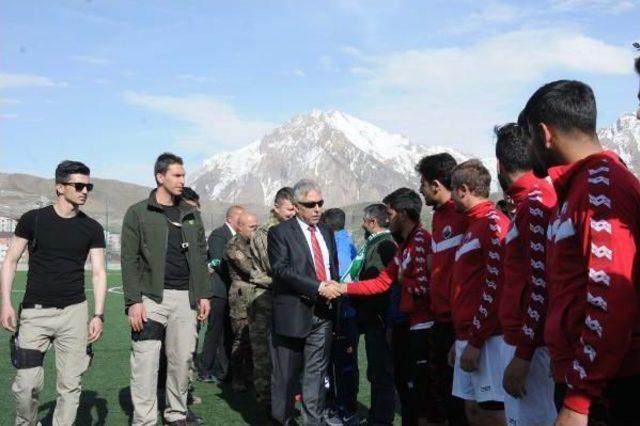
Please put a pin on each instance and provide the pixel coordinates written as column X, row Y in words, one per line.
column 525, row 359
column 371, row 319
column 447, row 230
column 410, row 268
column 476, row 287
column 637, row 66
column 260, row 300
column 592, row 257
column 165, row 280
column 216, row 347
column 54, row 310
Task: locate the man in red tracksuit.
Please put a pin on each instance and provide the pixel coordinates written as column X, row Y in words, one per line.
column 526, row 362
column 409, row 268
column 447, row 229
column 476, row 286
column 592, row 327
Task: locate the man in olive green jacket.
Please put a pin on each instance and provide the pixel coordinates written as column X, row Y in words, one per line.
column 165, row 279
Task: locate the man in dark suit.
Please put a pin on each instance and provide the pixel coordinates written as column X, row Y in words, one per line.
column 303, row 261
column 214, row 361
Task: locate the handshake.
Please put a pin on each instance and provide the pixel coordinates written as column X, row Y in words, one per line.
column 331, row 289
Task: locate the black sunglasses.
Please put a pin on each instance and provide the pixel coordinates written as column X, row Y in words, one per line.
column 311, row 204
column 79, row 186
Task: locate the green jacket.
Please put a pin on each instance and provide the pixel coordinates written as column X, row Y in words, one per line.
column 145, row 233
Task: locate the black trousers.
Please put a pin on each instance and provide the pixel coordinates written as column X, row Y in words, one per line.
column 379, row 370
column 215, row 347
column 401, row 357
column 294, row 358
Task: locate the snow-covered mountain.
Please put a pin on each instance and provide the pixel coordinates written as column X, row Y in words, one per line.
column 352, row 160
column 623, row 136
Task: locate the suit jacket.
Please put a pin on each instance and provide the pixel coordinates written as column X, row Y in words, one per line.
column 220, row 280
column 295, row 286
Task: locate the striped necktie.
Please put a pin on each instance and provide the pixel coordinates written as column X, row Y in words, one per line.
column 318, row 260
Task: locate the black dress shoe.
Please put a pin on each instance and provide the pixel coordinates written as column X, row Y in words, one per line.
column 193, row 419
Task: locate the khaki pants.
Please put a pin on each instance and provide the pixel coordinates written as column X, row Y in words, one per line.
column 68, row 329
column 179, row 320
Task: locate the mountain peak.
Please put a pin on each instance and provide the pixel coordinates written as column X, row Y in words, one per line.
column 355, row 161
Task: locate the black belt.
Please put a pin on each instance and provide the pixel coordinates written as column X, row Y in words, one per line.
column 43, row 306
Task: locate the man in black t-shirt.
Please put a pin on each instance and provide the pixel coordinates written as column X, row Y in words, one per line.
column 165, row 279
column 54, row 309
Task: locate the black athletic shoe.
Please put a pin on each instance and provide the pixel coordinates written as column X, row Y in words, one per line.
column 208, row 378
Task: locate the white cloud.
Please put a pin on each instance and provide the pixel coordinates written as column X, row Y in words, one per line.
column 215, row 124
column 454, row 96
column 97, row 61
column 491, row 16
column 606, row 6
column 8, row 81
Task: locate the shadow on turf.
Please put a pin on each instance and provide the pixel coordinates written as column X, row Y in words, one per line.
column 89, row 401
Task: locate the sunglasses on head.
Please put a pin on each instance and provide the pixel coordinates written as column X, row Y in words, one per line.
column 79, row 186
column 311, row 204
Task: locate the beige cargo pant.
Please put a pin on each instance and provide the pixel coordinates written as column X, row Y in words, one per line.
column 179, row 320
column 68, row 328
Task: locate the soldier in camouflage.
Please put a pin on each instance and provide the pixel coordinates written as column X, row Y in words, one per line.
column 259, row 308
column 239, row 261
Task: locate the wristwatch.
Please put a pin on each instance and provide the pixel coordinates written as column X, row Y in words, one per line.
column 101, row 316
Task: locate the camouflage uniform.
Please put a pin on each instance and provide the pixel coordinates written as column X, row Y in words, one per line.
column 259, row 311
column 239, row 257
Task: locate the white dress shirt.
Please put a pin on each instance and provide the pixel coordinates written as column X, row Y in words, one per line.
column 321, row 241
column 233, row 231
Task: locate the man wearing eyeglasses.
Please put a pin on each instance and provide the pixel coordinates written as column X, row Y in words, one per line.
column 54, row 310
column 165, row 281
column 303, row 260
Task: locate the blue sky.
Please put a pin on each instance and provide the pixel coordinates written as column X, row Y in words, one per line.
column 114, row 83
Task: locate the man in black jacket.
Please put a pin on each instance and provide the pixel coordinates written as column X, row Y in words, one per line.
column 214, row 361
column 303, row 260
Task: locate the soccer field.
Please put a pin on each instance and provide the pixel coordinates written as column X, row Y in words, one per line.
column 105, row 396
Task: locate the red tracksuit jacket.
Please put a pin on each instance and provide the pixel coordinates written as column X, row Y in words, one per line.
column 523, row 303
column 592, row 320
column 477, row 275
column 447, row 229
column 409, row 268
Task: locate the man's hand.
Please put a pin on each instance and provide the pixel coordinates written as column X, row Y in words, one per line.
column 515, row 377
column 568, row 417
column 329, row 290
column 204, row 307
column 95, row 329
column 451, row 357
column 469, row 358
column 342, row 288
column 137, row 316
column 8, row 317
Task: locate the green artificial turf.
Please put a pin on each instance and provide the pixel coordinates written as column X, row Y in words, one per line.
column 105, row 396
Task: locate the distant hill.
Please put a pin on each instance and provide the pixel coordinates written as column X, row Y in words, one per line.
column 20, row 193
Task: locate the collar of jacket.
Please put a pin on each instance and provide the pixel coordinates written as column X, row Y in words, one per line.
column 563, row 175
column 480, row 210
column 185, row 208
column 520, row 189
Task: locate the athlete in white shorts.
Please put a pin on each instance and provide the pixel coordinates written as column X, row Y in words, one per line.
column 536, row 407
column 484, row 384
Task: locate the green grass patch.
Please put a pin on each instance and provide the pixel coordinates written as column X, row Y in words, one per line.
column 105, row 397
